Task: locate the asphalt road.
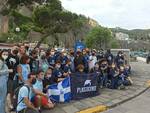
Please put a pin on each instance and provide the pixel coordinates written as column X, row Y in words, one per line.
column 140, row 104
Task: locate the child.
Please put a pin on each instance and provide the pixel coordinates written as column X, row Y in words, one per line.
column 67, row 68
column 58, row 72
column 123, row 78
column 48, row 79
column 41, row 100
column 96, row 70
column 104, row 72
column 113, row 73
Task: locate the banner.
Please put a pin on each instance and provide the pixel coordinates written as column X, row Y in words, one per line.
column 84, row 85
column 79, row 45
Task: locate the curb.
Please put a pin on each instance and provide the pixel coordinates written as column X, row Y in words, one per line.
column 102, row 108
column 95, row 109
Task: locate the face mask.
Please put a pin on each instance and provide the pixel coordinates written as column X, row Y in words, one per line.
column 93, row 54
column 52, row 53
column 65, row 54
column 78, row 53
column 81, row 70
column 72, row 53
column 43, row 57
column 27, row 48
column 104, row 66
column 58, row 66
column 49, row 76
column 4, row 57
column 33, row 81
column 15, row 52
column 120, row 55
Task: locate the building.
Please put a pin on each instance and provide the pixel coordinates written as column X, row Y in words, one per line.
column 122, row 36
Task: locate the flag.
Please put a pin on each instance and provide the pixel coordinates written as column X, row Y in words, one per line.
column 60, row 92
column 84, row 85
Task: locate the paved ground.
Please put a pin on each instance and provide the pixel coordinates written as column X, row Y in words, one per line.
column 108, row 97
column 137, row 105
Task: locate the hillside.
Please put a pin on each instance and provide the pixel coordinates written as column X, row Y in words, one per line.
column 136, row 34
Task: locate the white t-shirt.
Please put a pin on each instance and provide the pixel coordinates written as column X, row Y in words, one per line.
column 23, row 92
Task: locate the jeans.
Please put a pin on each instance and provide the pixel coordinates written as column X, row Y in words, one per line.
column 3, row 92
column 104, row 80
column 114, row 83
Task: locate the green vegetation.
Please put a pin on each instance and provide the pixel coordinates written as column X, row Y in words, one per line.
column 99, row 37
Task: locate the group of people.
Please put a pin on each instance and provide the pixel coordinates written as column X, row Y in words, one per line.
column 33, row 70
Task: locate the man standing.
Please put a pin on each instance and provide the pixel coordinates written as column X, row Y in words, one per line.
column 12, row 62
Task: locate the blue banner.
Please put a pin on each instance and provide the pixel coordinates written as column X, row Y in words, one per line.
column 84, row 85
column 79, row 45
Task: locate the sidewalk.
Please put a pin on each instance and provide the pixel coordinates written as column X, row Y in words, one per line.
column 108, row 97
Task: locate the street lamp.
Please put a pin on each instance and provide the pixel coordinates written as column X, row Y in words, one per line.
column 17, row 29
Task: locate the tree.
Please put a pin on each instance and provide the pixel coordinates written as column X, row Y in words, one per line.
column 55, row 20
column 98, row 37
column 48, row 19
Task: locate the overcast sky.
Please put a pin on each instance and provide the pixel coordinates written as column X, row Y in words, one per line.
column 130, row 14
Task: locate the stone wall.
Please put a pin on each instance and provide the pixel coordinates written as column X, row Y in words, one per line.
column 3, row 19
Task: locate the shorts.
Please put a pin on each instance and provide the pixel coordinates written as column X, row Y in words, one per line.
column 43, row 101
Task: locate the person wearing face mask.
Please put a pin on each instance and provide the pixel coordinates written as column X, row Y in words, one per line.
column 109, row 56
column 71, row 57
column 92, row 60
column 79, row 59
column 80, row 69
column 67, row 68
column 114, row 74
column 86, row 57
column 103, row 72
column 96, row 70
column 25, row 94
column 40, row 99
column 23, row 69
column 123, row 78
column 49, row 79
column 120, row 60
column 58, row 72
column 63, row 58
column 43, row 63
column 34, row 61
column 52, row 58
column 12, row 62
column 4, row 72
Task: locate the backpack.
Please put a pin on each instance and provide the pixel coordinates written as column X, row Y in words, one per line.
column 15, row 97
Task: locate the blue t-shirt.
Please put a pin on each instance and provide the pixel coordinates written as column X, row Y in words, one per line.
column 25, row 71
column 57, row 73
column 67, row 69
column 38, row 85
column 51, row 60
column 23, row 92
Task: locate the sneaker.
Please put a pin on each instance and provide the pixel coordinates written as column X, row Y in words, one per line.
column 121, row 87
column 39, row 109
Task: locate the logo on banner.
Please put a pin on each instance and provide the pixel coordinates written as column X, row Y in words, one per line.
column 87, row 87
column 87, row 83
